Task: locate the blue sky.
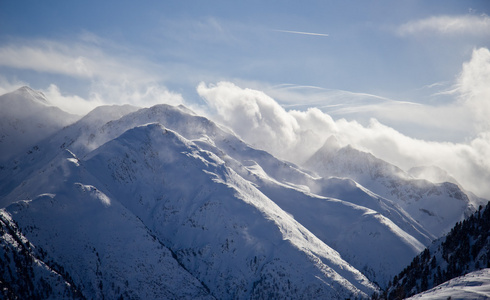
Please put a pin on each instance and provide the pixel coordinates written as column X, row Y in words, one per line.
column 180, row 43
column 408, row 81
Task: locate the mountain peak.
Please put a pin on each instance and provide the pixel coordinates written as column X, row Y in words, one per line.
column 29, row 93
column 332, row 143
column 328, row 149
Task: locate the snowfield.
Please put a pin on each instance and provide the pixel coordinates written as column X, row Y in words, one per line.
column 475, row 285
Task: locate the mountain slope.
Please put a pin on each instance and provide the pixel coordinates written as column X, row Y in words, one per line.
column 472, row 286
column 25, row 119
column 219, row 226
column 210, row 136
column 23, row 273
column 356, row 235
column 280, row 180
column 224, row 230
column 437, row 207
column 357, row 232
column 466, row 248
column 200, row 172
column 75, row 136
column 102, row 247
column 351, row 191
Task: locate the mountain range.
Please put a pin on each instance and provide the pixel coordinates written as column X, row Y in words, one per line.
column 159, row 202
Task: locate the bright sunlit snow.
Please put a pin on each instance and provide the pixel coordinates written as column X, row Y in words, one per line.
column 237, row 150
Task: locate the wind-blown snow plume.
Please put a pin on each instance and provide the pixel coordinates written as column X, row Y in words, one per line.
column 295, row 135
column 262, row 122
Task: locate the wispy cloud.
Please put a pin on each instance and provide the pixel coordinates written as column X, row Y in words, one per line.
column 71, row 58
column 110, row 76
column 448, row 26
column 301, row 32
column 207, row 30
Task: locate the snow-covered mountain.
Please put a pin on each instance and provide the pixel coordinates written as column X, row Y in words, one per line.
column 124, row 190
column 26, row 117
column 472, row 286
column 221, row 229
column 77, row 136
column 436, row 206
column 466, row 248
column 24, row 275
column 280, row 180
column 318, row 214
column 95, row 244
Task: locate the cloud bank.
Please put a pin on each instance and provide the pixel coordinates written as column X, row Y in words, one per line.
column 294, row 135
column 262, row 122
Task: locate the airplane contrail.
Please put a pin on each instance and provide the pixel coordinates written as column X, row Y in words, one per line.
column 302, row 32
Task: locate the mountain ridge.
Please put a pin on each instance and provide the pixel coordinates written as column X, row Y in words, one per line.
column 231, row 217
column 391, row 182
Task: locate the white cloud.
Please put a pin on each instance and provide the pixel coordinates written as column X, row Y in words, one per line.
column 47, row 57
column 295, row 135
column 474, row 87
column 262, row 122
column 249, row 112
column 7, row 86
column 110, row 77
column 79, row 59
column 127, row 92
column 414, row 119
column 107, row 94
column 102, row 94
column 70, row 103
column 448, row 25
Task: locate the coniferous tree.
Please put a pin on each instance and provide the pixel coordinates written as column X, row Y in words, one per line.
column 464, row 249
